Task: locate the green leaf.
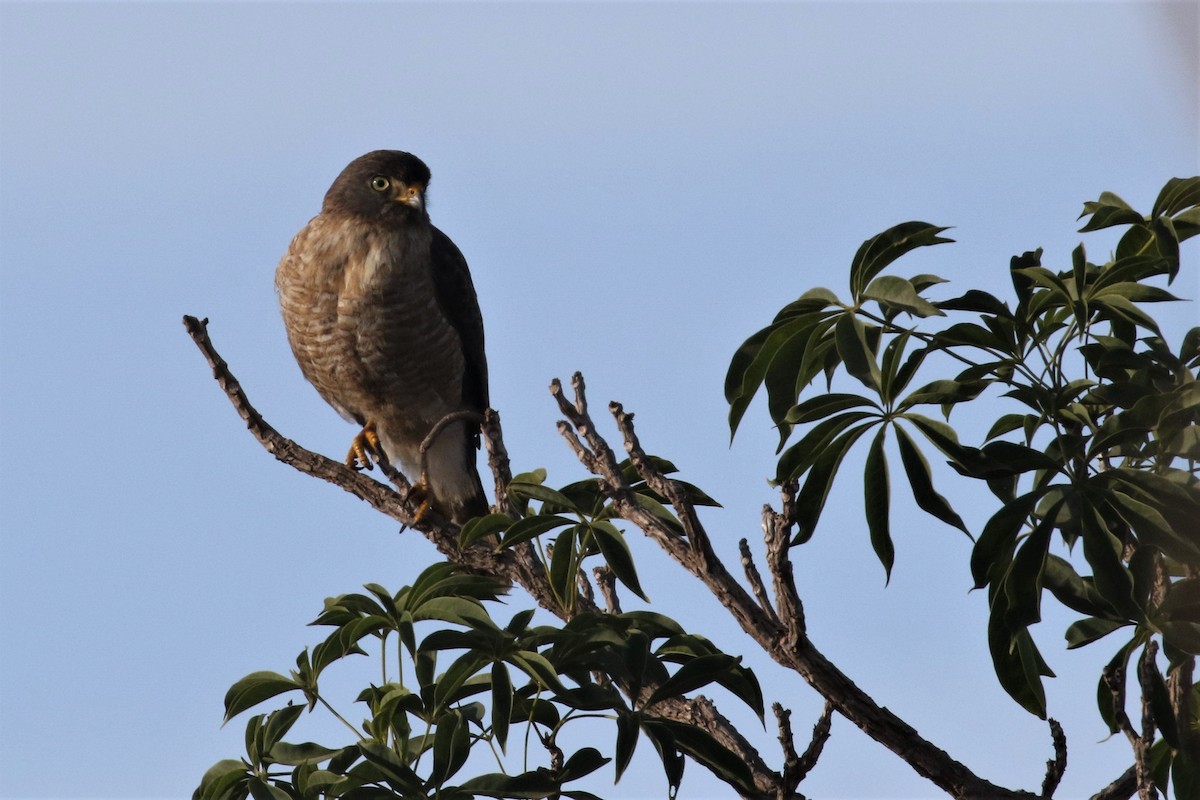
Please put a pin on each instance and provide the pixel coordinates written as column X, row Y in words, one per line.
column 451, row 746
column 919, row 478
column 1086, row 631
column 892, row 292
column 564, row 568
column 1103, row 551
column 810, row 502
column 698, row 672
column 1184, row 636
column 255, row 688
column 856, row 353
column 535, row 491
column 277, row 725
column 883, row 248
column 752, row 361
column 800, row 457
column 261, row 790
column 661, row 736
column 1160, row 704
column 391, row 767
column 1073, row 591
column 532, row 527
column 1018, row 665
column 582, row 762
column 822, row 406
column 1023, row 583
column 221, row 778
column 502, row 703
column 877, row 500
column 617, row 555
column 1177, row 195
column 628, row 727
column 944, row 393
column 481, row 527
column 304, row 753
column 993, row 552
column 701, row 746
column 1109, row 210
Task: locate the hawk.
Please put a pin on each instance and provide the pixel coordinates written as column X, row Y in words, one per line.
column 383, row 319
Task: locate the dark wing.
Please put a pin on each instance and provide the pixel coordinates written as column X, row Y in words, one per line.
column 456, row 298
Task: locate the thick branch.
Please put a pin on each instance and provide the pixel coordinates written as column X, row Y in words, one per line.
column 517, row 565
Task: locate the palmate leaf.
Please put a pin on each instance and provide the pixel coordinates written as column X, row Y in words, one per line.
column 751, row 362
column 800, row 457
column 882, row 249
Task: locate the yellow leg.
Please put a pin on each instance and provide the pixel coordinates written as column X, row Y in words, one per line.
column 364, row 448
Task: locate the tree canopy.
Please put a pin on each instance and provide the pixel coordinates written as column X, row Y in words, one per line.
column 1091, row 453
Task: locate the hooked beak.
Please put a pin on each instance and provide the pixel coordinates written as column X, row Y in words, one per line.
column 410, row 194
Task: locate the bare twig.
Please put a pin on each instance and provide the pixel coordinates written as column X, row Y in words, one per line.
column 820, row 735
column 755, row 580
column 1120, row 789
column 777, row 529
column 793, row 651
column 791, row 760
column 1056, row 766
column 606, row 579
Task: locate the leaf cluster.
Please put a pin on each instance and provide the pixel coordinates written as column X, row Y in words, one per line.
column 1094, row 472
column 415, row 738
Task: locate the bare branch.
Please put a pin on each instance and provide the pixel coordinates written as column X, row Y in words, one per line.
column 517, row 565
column 493, row 440
column 1056, row 766
column 791, row 761
column 793, row 651
column 1147, row 672
column 1120, row 789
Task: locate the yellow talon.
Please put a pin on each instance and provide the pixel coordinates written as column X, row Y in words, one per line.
column 364, row 447
column 420, row 491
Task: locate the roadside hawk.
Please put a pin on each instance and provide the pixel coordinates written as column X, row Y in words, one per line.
column 382, row 316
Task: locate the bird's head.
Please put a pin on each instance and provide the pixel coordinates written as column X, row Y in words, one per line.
column 381, row 185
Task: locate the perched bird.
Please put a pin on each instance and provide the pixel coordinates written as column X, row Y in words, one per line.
column 382, row 316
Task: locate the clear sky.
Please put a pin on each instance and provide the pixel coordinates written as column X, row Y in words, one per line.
column 637, row 188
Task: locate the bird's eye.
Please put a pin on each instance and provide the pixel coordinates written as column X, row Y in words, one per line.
column 380, row 183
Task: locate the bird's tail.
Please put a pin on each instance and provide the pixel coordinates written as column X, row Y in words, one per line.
column 453, row 477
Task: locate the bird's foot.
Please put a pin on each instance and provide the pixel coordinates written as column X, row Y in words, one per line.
column 422, row 497
column 364, row 448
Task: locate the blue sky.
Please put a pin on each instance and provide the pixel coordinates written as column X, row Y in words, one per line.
column 637, row 188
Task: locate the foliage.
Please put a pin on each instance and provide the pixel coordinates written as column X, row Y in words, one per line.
column 1100, row 454
column 417, row 736
column 1093, row 466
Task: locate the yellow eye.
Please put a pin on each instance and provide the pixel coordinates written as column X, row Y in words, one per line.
column 380, row 183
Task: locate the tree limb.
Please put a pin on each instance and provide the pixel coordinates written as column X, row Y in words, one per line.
column 795, row 652
column 517, row 565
